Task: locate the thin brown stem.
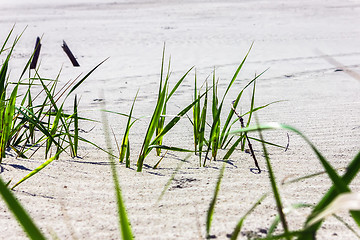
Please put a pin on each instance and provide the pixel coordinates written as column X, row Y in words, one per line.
column 247, row 139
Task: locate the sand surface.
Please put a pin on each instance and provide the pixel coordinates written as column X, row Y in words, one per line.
column 74, row 198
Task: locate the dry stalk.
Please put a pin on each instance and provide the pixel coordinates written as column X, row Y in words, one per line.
column 247, row 139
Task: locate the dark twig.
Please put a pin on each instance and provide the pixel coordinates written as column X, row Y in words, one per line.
column 247, row 139
column 36, row 54
column 70, row 55
column 288, row 143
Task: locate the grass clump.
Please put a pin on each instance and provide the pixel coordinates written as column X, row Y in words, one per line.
column 219, row 135
column 328, row 204
column 28, row 121
column 199, row 119
column 157, row 122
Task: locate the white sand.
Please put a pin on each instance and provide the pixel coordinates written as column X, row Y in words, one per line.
column 75, row 198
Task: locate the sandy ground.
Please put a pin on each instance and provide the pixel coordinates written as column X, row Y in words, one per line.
column 74, row 198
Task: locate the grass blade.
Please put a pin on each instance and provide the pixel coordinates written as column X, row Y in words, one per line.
column 7, row 122
column 175, row 120
column 211, row 209
column 239, row 225
column 20, row 213
column 167, row 185
column 124, row 223
column 85, row 77
column 252, row 105
column 150, row 131
column 36, row 170
column 76, row 127
column 175, row 149
column 196, row 116
column 7, row 39
column 345, row 201
column 274, row 188
column 233, row 147
column 125, row 141
column 202, row 125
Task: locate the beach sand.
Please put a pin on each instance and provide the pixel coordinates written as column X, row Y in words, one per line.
column 74, row 198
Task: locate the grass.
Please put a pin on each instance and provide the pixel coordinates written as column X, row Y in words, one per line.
column 124, row 223
column 28, row 224
column 20, row 213
column 28, row 121
column 216, row 138
column 199, row 119
column 340, row 186
column 157, row 121
column 210, row 212
column 40, row 121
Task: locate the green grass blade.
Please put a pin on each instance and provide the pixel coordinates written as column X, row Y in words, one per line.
column 211, row 209
column 196, row 116
column 261, row 107
column 215, row 100
column 178, row 84
column 3, row 73
column 20, row 213
column 36, row 170
column 167, row 185
column 53, row 130
column 160, row 127
column 125, row 140
column 227, row 125
column 344, row 201
column 175, row 120
column 85, row 77
column 252, row 105
column 233, row 147
column 215, row 127
column 76, row 127
column 4, row 67
column 237, row 230
column 277, row 219
column 287, row 235
column 127, row 157
column 175, row 149
column 202, row 125
column 162, row 70
column 275, row 188
column 267, row 143
column 7, row 39
column 124, row 223
column 7, row 122
column 151, row 129
column 62, row 119
column 214, row 136
column 237, row 72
